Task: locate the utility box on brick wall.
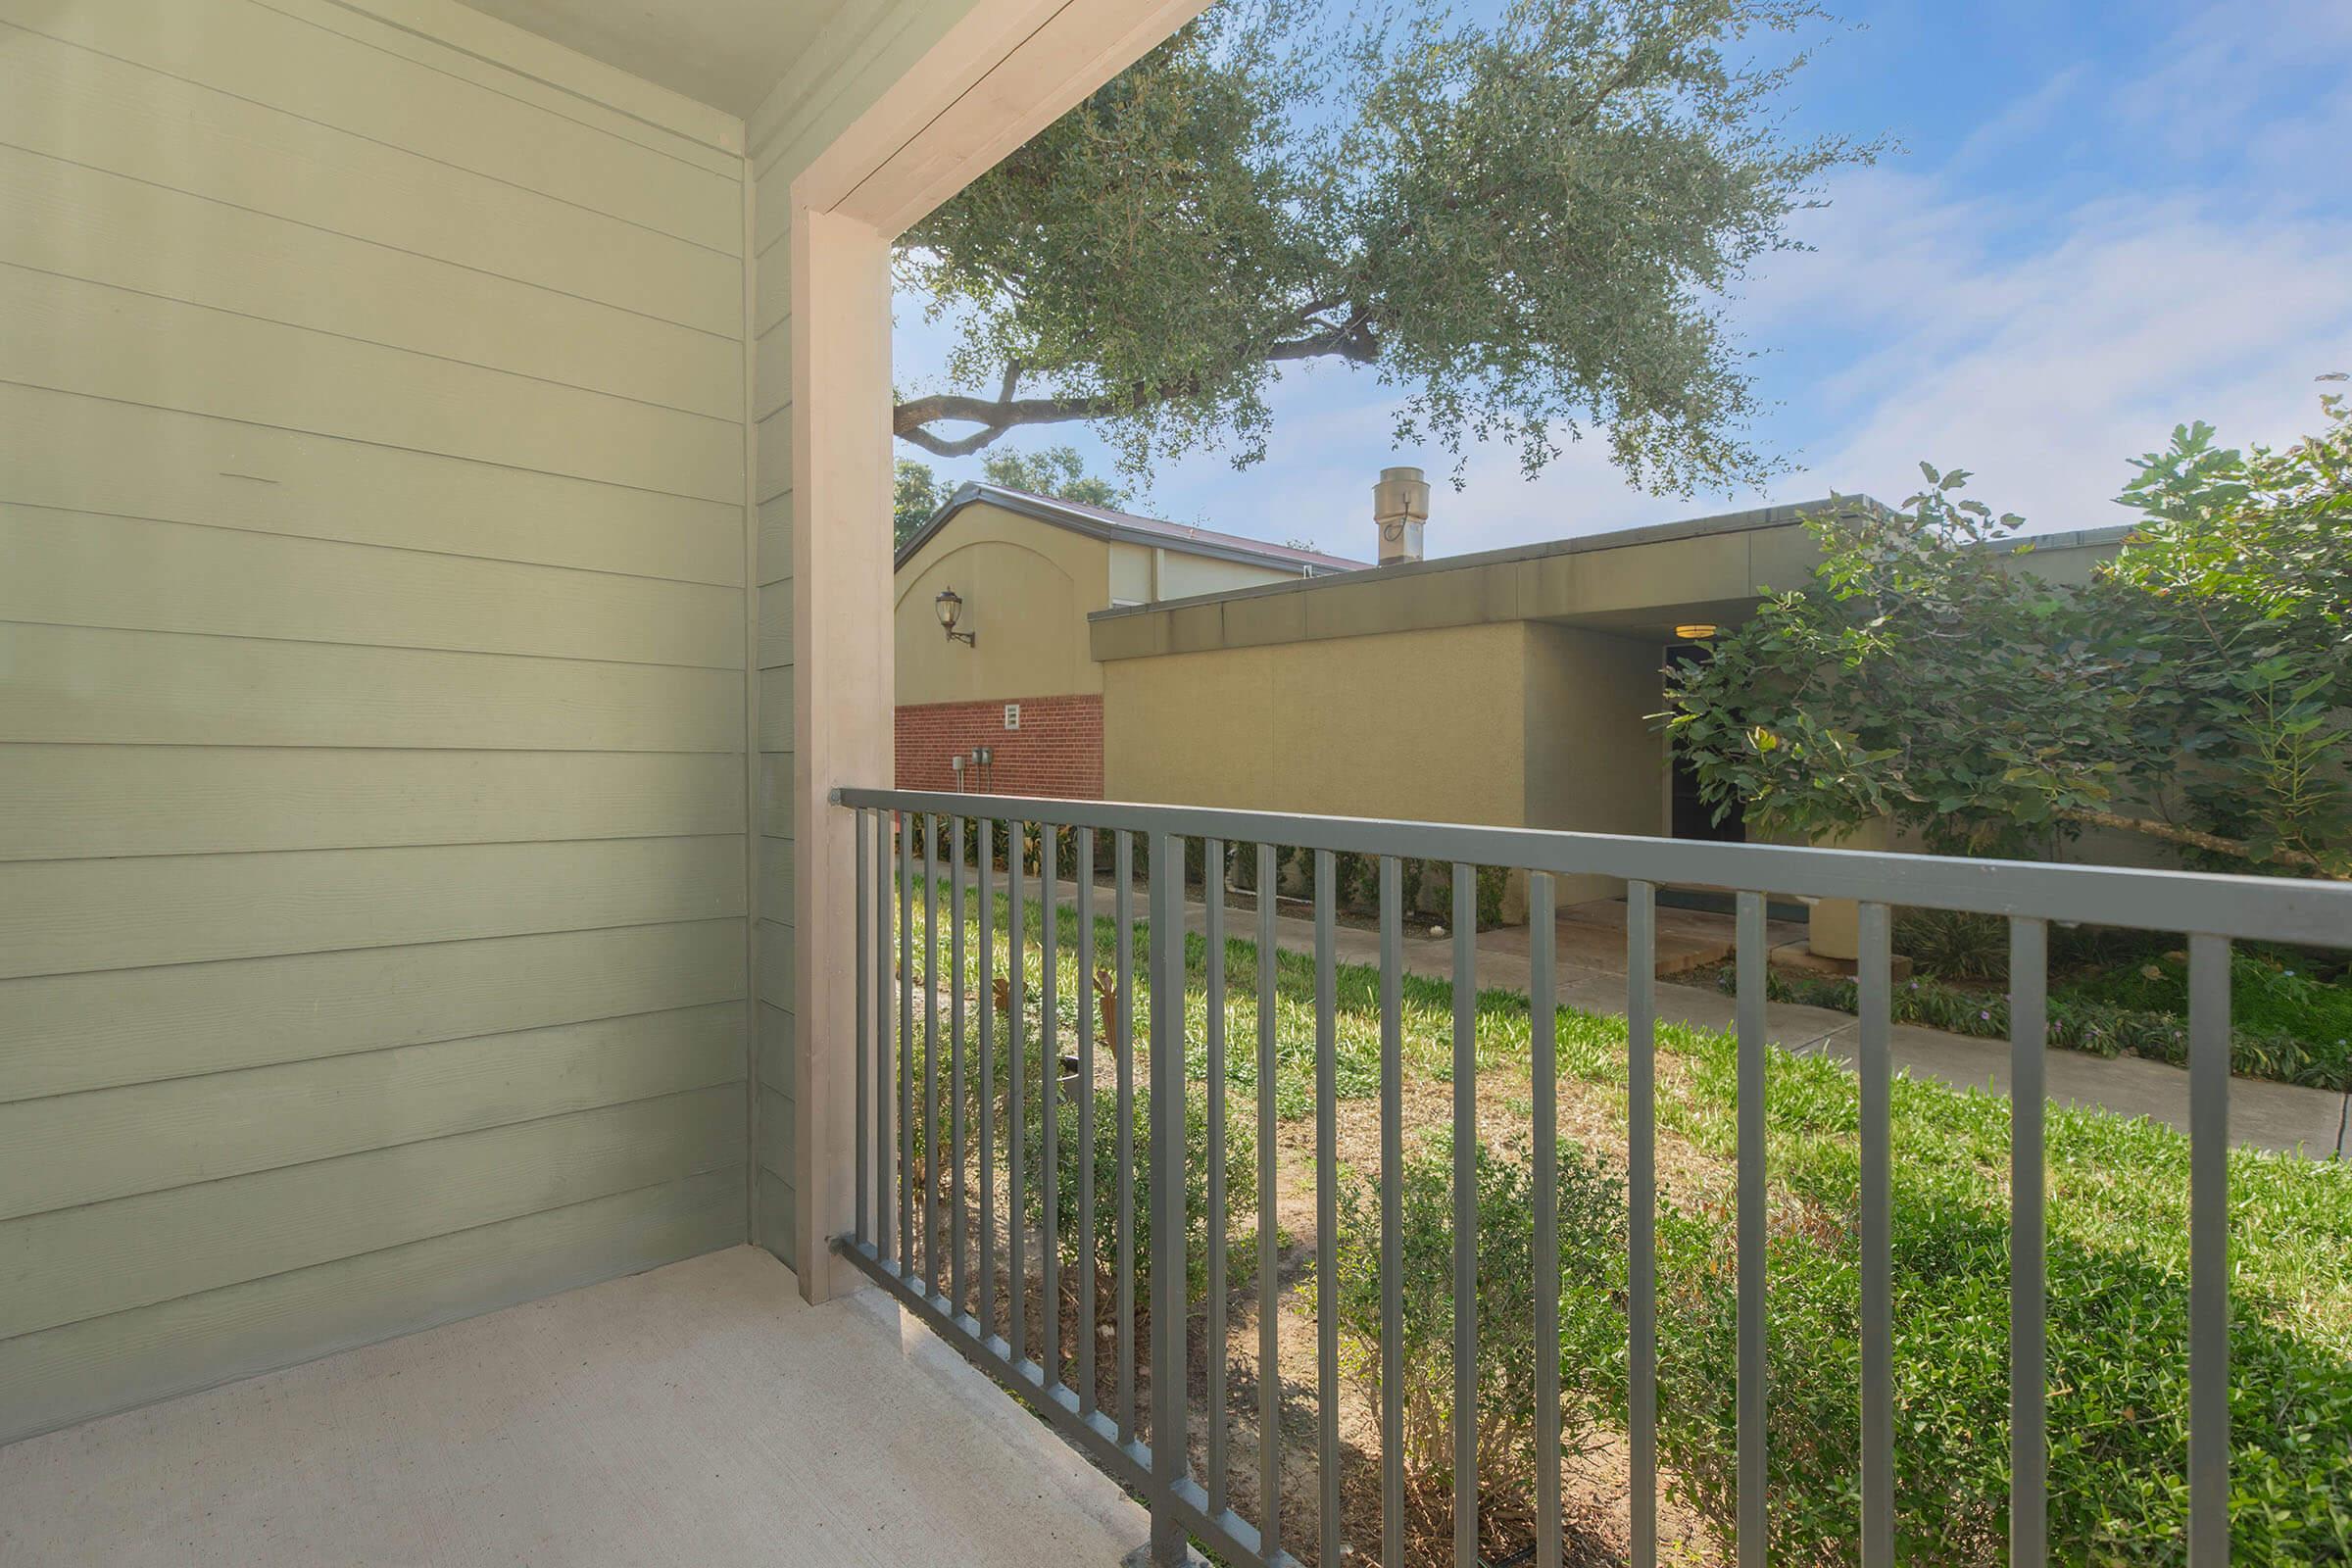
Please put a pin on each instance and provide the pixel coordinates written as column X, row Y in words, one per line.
column 1050, row 746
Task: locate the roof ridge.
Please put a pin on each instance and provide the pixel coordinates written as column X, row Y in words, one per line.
column 1080, row 514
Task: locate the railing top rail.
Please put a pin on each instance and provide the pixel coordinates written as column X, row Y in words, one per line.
column 2246, row 908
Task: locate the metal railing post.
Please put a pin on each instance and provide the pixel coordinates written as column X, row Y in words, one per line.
column 1166, row 1187
column 862, row 1230
column 1752, row 1396
column 1465, row 1215
column 2208, row 1250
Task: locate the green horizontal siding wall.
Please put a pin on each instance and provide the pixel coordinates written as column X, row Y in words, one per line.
column 375, row 783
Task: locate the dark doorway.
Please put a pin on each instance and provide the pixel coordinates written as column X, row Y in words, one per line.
column 1690, row 816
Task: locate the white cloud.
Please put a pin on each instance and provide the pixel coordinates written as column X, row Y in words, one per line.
column 2044, row 374
column 2039, row 347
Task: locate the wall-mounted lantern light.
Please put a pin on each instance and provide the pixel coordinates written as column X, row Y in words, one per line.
column 949, row 604
column 1697, row 633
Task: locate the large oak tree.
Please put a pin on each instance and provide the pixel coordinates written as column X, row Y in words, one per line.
column 1527, row 226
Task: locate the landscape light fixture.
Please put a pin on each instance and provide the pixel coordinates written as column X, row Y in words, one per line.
column 1698, row 632
column 949, row 604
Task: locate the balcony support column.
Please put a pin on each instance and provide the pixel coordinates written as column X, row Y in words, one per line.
column 842, row 686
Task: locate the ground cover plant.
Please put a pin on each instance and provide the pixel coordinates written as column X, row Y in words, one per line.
column 2111, row 992
column 2098, row 1015
column 2118, row 1268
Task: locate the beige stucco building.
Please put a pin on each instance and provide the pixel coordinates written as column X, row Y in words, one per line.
column 1019, row 679
column 1513, row 687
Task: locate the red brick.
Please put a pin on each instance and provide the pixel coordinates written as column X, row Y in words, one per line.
column 1057, row 751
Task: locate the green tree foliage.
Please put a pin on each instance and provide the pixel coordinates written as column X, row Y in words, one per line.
column 914, row 496
column 2237, row 602
column 2197, row 691
column 1525, row 226
column 1053, row 471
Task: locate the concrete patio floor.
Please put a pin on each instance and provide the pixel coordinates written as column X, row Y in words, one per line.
column 698, row 1415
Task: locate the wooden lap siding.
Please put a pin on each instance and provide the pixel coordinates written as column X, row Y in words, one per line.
column 373, row 695
column 1056, row 752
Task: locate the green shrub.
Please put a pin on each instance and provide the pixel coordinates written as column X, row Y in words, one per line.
column 2080, row 1020
column 2267, row 994
column 1492, row 880
column 1240, row 1188
column 1954, row 944
column 2118, row 1334
column 1592, row 1232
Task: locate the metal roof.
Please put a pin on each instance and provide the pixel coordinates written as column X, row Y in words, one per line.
column 1102, row 523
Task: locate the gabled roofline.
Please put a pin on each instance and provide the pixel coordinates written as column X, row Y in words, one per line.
column 1151, row 533
column 1721, row 524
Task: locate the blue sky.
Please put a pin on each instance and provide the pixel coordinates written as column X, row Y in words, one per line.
column 2106, row 219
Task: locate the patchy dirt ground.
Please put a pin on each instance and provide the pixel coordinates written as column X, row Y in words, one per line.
column 1595, row 1483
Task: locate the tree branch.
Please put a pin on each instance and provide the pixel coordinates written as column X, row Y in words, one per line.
column 2171, row 833
column 1353, row 340
column 994, row 417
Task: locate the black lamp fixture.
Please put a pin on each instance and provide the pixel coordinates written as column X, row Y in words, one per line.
column 950, row 606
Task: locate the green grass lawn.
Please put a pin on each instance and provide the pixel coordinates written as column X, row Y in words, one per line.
column 2118, row 1244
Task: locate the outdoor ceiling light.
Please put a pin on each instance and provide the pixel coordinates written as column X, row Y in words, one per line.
column 950, row 606
column 1698, row 632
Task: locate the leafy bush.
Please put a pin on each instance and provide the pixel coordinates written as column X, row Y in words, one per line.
column 2079, row 1020
column 1492, row 880
column 1954, row 944
column 2118, row 1333
column 2267, row 994
column 1592, row 1232
column 2197, row 692
column 1240, row 1188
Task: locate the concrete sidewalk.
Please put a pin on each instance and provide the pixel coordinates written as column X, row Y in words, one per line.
column 2282, row 1118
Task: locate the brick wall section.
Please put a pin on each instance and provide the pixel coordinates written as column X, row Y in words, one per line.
column 1056, row 752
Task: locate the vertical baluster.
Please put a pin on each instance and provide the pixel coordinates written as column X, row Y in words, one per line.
column 988, row 1077
column 1087, row 1267
column 1543, row 996
column 956, row 1083
column 2208, row 1252
column 1326, row 1206
column 2028, row 1356
column 863, row 1136
column 1392, row 1212
column 1213, row 891
column 1751, row 1394
column 1465, row 1216
column 886, row 1175
column 1642, row 1212
column 931, row 1160
column 1122, row 901
column 1876, row 1068
column 905, row 1046
column 1170, row 1379
column 1048, row 1091
column 1017, row 1123
column 1270, row 1256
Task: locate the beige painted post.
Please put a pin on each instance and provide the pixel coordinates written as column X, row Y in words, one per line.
column 999, row 75
column 842, row 724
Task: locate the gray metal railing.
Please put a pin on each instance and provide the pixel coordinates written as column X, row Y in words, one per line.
column 905, row 1250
